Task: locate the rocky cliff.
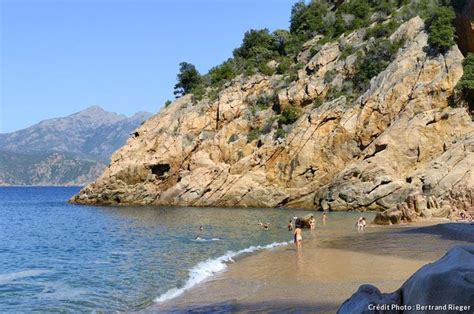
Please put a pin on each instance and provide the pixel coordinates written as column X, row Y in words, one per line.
column 403, row 135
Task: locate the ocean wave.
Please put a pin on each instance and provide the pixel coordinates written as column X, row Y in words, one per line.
column 10, row 277
column 206, row 269
column 198, row 239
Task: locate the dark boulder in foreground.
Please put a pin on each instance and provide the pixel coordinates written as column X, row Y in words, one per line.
column 445, row 286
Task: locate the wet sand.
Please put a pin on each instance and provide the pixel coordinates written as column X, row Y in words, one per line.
column 329, row 269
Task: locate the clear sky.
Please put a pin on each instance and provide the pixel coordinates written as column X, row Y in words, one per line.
column 61, row 56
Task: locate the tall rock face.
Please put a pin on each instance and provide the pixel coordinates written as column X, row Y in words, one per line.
column 401, row 136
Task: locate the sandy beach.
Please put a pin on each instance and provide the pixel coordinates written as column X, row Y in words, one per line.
column 329, row 269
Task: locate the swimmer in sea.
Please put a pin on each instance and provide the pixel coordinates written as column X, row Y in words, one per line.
column 298, row 238
column 290, row 226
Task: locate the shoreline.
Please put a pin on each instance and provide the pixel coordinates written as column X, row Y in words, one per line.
column 322, row 277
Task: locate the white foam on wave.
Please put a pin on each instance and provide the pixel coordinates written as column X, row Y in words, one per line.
column 206, row 269
column 10, row 277
column 206, row 240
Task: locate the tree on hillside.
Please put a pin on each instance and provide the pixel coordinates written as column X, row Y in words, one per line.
column 257, row 44
column 188, row 79
column 441, row 29
column 466, row 83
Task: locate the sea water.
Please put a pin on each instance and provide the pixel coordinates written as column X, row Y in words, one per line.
column 55, row 256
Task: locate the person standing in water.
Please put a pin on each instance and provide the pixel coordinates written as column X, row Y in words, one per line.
column 361, row 224
column 324, row 218
column 290, row 225
column 298, row 238
column 312, row 223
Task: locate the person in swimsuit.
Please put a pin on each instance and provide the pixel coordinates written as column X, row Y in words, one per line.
column 298, row 238
column 290, row 226
column 361, row 223
column 312, row 223
column 324, row 218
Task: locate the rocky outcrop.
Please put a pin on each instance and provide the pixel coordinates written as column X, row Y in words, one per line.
column 369, row 153
column 442, row 285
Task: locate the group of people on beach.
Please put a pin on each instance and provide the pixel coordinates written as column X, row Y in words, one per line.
column 297, row 231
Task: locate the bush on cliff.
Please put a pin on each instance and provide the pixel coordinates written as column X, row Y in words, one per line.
column 442, row 34
column 220, row 74
column 466, row 83
column 253, row 135
column 375, row 60
column 289, row 115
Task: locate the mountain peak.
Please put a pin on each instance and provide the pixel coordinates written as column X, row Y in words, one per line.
column 94, row 109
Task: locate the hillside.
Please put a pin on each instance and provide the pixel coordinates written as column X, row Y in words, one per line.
column 46, row 169
column 89, row 134
column 364, row 118
column 71, row 150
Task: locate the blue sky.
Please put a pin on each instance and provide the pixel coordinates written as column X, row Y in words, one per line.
column 61, row 56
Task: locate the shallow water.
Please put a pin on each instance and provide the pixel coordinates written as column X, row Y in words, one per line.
column 60, row 257
column 334, row 262
column 55, row 256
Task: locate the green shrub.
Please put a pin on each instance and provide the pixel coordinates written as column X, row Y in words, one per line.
column 441, row 31
column 382, row 30
column 256, row 44
column 253, row 135
column 334, row 92
column 198, row 93
column 265, row 101
column 283, row 65
column 266, row 70
column 347, row 51
column 329, row 76
column 222, row 73
column 213, row 94
column 279, row 133
column 267, row 128
column 167, row 103
column 466, row 83
column 289, row 115
column 307, row 19
column 376, row 59
column 317, row 102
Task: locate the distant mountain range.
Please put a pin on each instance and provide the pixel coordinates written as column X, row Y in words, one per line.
column 70, row 150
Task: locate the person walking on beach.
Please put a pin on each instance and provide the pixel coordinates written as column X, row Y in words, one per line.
column 290, row 225
column 298, row 238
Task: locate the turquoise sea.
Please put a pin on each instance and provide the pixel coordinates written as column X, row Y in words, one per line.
column 55, row 256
